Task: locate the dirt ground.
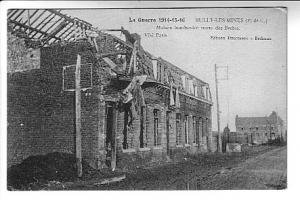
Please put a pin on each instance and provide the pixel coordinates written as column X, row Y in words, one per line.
column 265, row 171
column 259, row 167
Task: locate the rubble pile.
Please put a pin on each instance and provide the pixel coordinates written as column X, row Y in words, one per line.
column 44, row 168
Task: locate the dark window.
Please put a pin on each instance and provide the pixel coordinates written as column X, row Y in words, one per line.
column 178, row 118
column 256, row 128
column 243, row 128
column 142, row 144
column 156, row 134
column 127, row 114
column 201, row 127
column 194, row 130
column 204, row 128
column 186, row 129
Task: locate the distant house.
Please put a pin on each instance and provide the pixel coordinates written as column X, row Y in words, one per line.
column 258, row 130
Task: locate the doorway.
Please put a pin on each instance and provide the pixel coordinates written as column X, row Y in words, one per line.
column 168, row 131
column 110, row 141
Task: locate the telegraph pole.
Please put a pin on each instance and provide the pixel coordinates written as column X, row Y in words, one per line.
column 218, row 112
column 218, row 108
column 78, row 116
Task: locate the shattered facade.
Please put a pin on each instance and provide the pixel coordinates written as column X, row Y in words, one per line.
column 136, row 107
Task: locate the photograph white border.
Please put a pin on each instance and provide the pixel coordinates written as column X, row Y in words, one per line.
column 293, row 106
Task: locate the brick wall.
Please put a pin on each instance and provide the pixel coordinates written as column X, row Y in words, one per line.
column 40, row 123
column 41, row 116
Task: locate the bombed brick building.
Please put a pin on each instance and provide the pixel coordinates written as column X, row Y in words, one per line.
column 134, row 107
column 259, row 130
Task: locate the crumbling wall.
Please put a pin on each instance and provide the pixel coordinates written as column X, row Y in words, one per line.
column 50, row 110
column 19, row 56
column 41, row 116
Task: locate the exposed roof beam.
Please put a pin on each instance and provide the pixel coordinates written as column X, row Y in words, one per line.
column 66, row 30
column 10, row 12
column 55, row 23
column 31, row 16
column 31, row 28
column 37, row 17
column 45, row 24
column 21, row 12
column 79, row 22
column 41, row 22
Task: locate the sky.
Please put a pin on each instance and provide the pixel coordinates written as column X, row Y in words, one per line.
column 256, row 83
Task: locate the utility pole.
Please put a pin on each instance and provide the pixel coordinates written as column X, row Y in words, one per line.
column 218, row 108
column 78, row 116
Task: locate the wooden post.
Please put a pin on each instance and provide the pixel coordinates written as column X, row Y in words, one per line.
column 218, row 113
column 78, row 116
column 134, row 56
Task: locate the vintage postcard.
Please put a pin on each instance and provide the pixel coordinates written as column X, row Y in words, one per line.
column 170, row 98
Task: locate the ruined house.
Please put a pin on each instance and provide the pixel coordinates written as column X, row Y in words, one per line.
column 135, row 108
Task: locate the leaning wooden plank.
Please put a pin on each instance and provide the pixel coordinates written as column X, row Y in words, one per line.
column 109, row 62
column 111, row 180
column 111, row 54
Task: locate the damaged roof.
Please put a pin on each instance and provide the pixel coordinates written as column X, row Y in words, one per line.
column 47, row 25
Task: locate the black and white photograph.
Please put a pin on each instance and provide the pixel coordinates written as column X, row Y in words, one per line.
column 146, row 98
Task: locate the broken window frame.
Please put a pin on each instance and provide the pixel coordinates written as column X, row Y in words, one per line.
column 82, row 66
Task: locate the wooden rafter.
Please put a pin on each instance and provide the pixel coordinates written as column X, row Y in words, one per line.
column 37, row 25
column 33, row 29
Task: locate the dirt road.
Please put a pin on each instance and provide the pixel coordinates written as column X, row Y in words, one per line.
column 259, row 168
column 266, row 171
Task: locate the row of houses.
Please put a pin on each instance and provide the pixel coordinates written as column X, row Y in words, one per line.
column 255, row 131
column 135, row 108
column 259, row 130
